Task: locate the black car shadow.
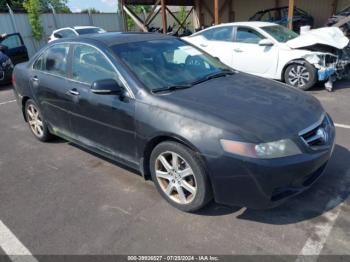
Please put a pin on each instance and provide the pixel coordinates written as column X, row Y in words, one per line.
column 111, row 161
column 5, row 87
column 328, row 192
column 338, row 85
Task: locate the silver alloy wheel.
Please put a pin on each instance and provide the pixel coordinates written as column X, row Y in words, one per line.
column 175, row 177
column 35, row 121
column 299, row 76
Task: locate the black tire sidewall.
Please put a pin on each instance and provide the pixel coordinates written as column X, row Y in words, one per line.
column 203, row 195
column 46, row 136
column 310, row 68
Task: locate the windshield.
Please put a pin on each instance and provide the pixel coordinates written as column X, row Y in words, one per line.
column 94, row 30
column 165, row 63
column 280, row 33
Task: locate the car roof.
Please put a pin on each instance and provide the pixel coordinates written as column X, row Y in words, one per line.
column 272, row 9
column 83, row 27
column 74, row 28
column 256, row 24
column 115, row 38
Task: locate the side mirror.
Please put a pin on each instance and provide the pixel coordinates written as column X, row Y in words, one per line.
column 3, row 48
column 106, row 87
column 57, row 35
column 266, row 42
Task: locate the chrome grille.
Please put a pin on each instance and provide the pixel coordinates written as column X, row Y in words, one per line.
column 317, row 135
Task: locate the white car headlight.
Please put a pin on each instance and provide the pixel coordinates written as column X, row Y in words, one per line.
column 280, row 148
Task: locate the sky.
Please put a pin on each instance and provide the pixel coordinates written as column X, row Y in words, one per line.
column 101, row 5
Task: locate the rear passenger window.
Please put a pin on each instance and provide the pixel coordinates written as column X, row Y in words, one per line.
column 222, row 33
column 53, row 60
column 90, row 65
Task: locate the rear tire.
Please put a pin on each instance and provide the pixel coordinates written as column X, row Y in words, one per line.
column 301, row 75
column 180, row 176
column 36, row 121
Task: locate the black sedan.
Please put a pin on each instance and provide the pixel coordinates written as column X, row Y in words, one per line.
column 279, row 15
column 12, row 52
column 180, row 117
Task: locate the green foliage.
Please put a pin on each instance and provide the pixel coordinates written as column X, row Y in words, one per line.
column 92, row 11
column 137, row 9
column 33, row 7
column 16, row 5
column 60, row 6
column 181, row 15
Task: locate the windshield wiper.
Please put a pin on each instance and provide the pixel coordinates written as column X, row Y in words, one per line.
column 170, row 88
column 214, row 75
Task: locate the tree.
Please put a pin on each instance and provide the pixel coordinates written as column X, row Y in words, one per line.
column 182, row 14
column 16, row 6
column 33, row 8
column 92, row 11
column 137, row 9
column 60, row 6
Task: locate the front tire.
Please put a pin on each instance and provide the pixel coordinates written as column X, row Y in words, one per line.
column 36, row 121
column 180, row 176
column 301, row 75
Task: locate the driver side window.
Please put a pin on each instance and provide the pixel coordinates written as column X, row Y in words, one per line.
column 90, row 65
column 248, row 36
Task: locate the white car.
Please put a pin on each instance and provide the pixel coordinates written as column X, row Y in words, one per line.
column 74, row 31
column 273, row 51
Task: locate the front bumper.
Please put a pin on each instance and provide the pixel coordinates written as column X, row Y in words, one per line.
column 5, row 76
column 263, row 183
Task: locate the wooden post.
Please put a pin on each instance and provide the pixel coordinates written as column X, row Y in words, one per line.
column 150, row 15
column 165, row 26
column 216, row 12
column 290, row 14
column 125, row 18
column 231, row 17
column 334, row 7
column 135, row 18
column 198, row 12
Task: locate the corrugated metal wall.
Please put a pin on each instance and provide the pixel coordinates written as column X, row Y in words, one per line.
column 244, row 9
column 50, row 22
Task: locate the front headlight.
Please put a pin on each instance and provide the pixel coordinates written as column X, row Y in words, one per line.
column 6, row 63
column 280, row 148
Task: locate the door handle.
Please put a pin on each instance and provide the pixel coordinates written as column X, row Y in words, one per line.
column 203, row 45
column 35, row 79
column 238, row 50
column 73, row 92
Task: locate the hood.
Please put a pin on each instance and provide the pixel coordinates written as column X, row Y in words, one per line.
column 3, row 57
column 331, row 36
column 256, row 108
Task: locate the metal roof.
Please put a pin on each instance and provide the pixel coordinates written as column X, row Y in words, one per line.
column 167, row 2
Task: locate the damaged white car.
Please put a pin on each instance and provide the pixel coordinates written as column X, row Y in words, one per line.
column 273, row 51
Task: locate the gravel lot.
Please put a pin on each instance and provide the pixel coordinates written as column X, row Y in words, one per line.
column 59, row 199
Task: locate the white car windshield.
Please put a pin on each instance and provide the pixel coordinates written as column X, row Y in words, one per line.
column 280, row 33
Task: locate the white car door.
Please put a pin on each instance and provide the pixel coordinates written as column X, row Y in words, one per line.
column 251, row 57
column 217, row 42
